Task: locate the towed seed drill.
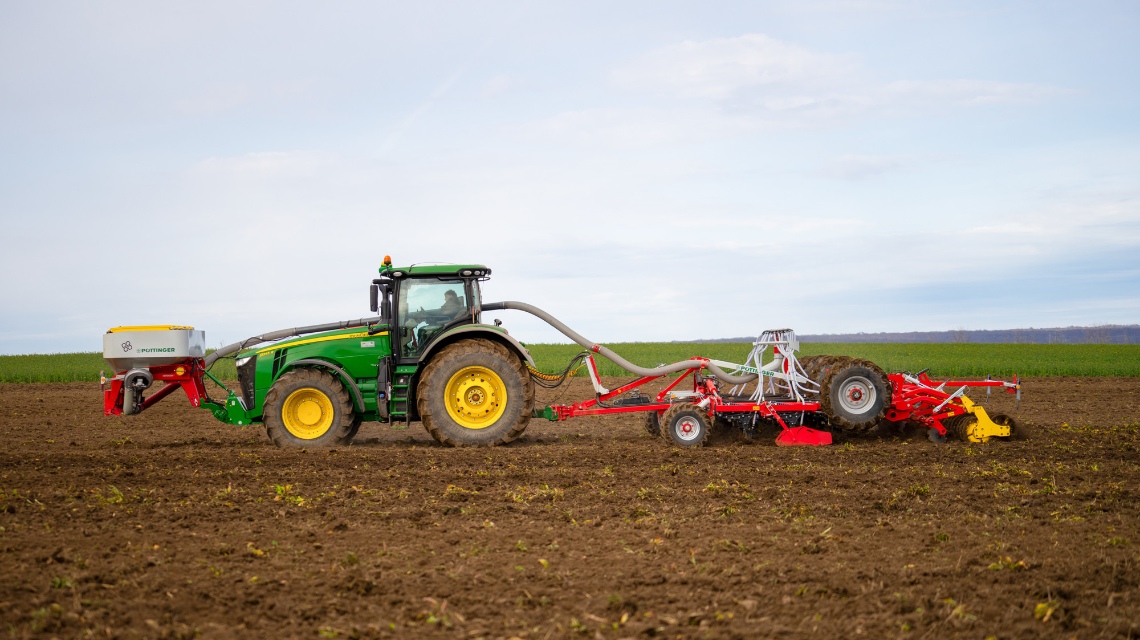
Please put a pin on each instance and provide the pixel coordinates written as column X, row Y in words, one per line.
column 471, row 383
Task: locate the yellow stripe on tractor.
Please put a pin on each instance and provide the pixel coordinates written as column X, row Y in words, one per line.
column 346, row 336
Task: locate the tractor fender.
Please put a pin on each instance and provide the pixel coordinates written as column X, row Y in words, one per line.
column 357, row 401
column 477, row 331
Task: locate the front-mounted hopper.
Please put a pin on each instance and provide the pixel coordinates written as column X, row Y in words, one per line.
column 175, row 355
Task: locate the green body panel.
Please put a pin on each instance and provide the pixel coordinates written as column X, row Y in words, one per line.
column 355, row 356
column 352, row 350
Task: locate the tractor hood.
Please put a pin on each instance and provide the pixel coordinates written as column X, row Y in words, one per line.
column 352, row 333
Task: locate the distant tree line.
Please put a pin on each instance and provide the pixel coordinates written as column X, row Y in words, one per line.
column 1097, row 334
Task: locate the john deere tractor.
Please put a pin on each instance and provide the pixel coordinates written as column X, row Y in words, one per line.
column 427, row 356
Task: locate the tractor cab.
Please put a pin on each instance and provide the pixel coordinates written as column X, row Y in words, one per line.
column 421, row 302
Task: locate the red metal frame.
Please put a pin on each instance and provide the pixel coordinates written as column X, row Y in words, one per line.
column 708, row 397
column 917, row 402
column 187, row 376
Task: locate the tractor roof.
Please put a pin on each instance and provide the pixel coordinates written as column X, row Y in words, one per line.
column 460, row 270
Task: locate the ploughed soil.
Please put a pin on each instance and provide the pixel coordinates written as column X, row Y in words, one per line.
column 169, row 524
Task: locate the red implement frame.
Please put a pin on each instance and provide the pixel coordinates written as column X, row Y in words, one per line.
column 705, row 395
column 186, row 376
column 929, row 404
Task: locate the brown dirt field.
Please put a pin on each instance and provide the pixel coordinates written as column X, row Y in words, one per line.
column 170, row 524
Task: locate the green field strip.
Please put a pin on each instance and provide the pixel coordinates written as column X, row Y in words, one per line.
column 958, row 359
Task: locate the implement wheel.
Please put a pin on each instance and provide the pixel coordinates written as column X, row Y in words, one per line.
column 475, row 393
column 652, row 423
column 855, row 395
column 817, row 367
column 308, row 408
column 686, row 425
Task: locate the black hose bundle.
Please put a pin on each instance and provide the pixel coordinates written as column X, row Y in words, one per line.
column 553, row 381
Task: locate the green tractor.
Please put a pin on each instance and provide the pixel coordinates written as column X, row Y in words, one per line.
column 427, row 356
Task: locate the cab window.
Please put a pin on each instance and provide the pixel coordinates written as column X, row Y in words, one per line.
column 425, row 306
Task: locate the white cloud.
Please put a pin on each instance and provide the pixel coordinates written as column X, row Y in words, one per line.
column 861, row 167
column 722, row 67
column 751, row 83
column 966, row 93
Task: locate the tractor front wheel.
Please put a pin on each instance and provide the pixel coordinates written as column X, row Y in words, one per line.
column 475, row 393
column 308, row 408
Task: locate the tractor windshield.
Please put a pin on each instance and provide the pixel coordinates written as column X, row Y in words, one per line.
column 425, row 307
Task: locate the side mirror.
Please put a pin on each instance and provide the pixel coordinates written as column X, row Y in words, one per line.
column 374, row 298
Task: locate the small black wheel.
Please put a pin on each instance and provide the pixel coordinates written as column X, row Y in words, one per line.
column 308, row 408
column 652, row 423
column 687, row 425
column 934, row 436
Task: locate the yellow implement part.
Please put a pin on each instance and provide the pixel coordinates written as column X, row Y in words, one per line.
column 150, row 327
column 983, row 428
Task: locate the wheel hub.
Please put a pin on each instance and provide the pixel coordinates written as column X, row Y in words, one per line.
column 307, row 413
column 857, row 395
column 687, row 429
column 476, row 397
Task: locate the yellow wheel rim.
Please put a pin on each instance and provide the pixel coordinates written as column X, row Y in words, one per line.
column 307, row 414
column 476, row 397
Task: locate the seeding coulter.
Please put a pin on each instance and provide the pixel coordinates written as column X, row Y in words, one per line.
column 428, row 356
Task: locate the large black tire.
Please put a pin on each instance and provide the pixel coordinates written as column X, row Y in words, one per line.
column 308, row 408
column 818, row 367
column 807, row 362
column 854, row 395
column 686, row 425
column 459, row 395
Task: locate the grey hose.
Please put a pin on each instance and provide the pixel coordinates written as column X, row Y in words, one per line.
column 286, row 333
column 618, row 360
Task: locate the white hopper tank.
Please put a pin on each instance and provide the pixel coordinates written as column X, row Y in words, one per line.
column 139, row 347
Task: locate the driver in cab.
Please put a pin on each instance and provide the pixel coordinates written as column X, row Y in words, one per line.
column 452, row 308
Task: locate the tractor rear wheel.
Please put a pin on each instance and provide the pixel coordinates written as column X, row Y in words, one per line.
column 687, row 425
column 475, row 393
column 854, row 395
column 308, row 408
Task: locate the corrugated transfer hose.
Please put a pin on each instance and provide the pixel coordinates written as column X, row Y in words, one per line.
column 618, row 360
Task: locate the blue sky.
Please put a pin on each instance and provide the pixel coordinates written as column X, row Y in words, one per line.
column 642, row 170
